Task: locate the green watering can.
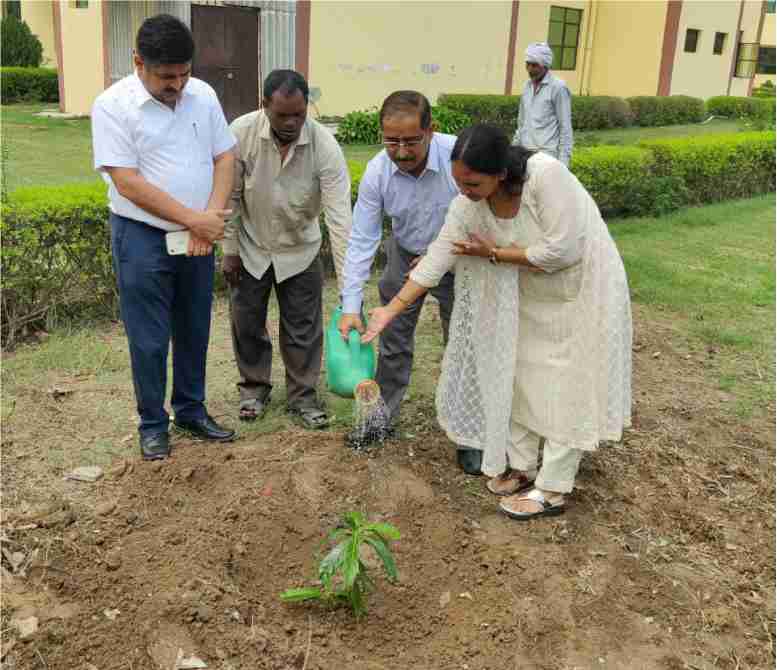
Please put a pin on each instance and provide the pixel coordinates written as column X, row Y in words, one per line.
column 347, row 363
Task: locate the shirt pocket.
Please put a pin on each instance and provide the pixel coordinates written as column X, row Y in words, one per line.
column 302, row 202
column 561, row 286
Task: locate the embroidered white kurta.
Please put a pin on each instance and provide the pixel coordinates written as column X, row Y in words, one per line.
column 569, row 334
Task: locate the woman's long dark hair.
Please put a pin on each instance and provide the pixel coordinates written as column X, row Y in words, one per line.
column 486, row 148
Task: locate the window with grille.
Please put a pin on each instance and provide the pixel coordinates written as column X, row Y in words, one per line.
column 720, row 43
column 765, row 61
column 564, row 35
column 691, row 40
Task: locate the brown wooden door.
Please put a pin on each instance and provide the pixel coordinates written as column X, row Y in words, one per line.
column 226, row 55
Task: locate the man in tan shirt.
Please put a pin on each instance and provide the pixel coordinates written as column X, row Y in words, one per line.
column 288, row 169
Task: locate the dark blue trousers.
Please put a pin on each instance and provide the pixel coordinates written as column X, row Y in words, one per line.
column 163, row 298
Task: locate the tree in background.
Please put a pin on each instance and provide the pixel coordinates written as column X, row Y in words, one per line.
column 20, row 48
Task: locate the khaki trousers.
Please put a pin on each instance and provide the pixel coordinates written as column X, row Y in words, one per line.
column 559, row 463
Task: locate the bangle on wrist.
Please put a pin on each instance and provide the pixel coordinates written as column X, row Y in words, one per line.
column 406, row 303
column 493, row 258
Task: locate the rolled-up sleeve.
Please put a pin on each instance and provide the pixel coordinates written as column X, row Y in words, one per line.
column 561, row 217
column 111, row 138
column 363, row 242
column 335, row 183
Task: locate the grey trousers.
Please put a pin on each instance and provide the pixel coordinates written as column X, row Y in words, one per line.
column 397, row 342
column 301, row 333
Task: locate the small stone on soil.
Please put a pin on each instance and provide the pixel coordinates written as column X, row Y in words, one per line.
column 27, row 627
column 86, row 473
column 106, row 508
column 113, row 561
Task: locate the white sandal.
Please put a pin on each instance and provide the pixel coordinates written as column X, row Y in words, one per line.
column 546, row 508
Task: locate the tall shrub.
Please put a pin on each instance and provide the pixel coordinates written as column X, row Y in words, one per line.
column 19, row 46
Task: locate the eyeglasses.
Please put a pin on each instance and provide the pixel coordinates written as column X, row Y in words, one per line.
column 410, row 144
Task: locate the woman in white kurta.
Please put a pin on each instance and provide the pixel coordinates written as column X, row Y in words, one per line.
column 540, row 337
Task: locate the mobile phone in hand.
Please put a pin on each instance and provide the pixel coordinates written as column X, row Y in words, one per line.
column 177, row 242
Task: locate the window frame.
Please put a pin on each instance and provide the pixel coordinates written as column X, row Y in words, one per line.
column 697, row 34
column 561, row 47
column 741, row 61
column 718, row 50
column 768, row 68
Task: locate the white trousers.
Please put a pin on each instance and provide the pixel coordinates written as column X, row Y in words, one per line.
column 559, row 463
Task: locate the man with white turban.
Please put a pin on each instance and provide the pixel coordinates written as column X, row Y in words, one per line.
column 545, row 112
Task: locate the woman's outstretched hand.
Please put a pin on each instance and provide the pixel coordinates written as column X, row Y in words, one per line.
column 380, row 317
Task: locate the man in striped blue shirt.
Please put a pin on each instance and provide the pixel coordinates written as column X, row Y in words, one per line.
column 410, row 181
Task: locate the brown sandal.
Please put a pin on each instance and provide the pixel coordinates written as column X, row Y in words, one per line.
column 510, row 482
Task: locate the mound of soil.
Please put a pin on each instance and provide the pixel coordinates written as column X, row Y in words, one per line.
column 665, row 558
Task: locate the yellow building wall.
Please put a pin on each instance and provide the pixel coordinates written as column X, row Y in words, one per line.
column 39, row 17
column 703, row 74
column 362, row 51
column 751, row 15
column 82, row 55
column 533, row 24
column 626, row 56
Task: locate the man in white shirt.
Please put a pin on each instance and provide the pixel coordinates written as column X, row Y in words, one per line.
column 411, row 182
column 289, row 169
column 162, row 144
column 545, row 111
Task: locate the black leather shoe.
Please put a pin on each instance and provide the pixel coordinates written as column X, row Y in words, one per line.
column 206, row 429
column 155, row 447
column 470, row 460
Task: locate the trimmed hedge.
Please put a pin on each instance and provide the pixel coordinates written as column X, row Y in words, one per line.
column 56, row 255
column 364, row 127
column 499, row 110
column 56, row 245
column 717, row 167
column 740, row 107
column 28, row 84
column 599, row 112
column 669, row 110
column 589, row 112
column 623, row 181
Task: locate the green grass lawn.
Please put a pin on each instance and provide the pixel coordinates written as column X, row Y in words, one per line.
column 625, row 136
column 44, row 151
column 711, row 270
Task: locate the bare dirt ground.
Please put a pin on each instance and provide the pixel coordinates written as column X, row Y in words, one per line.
column 665, row 558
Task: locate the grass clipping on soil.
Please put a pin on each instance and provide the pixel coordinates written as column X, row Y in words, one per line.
column 342, row 573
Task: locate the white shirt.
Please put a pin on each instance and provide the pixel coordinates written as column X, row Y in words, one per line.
column 277, row 203
column 417, row 207
column 171, row 149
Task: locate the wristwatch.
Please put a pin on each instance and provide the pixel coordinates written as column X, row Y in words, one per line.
column 492, row 257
